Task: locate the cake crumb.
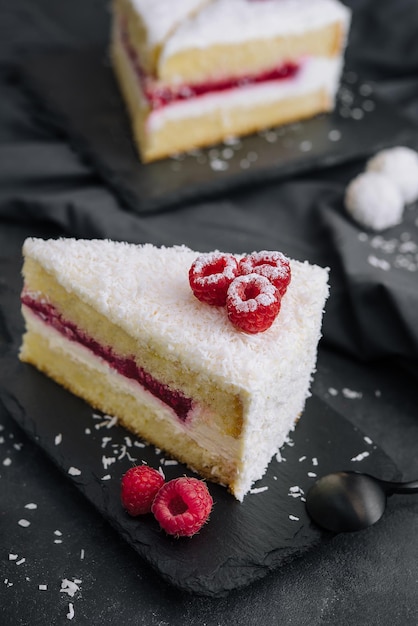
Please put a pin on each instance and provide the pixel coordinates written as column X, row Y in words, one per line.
column 58, row 439
column 332, row 391
column 294, row 518
column 368, row 440
column 31, row 505
column 74, row 471
column 312, row 475
column 43, row 587
column 7, row 461
column 12, row 557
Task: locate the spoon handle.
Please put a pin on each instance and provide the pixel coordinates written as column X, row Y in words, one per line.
column 393, row 487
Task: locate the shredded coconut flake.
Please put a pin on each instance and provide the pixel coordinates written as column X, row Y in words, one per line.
column 350, row 394
column 70, row 586
column 70, row 613
column 361, row 456
column 74, row 471
column 258, row 489
column 24, row 523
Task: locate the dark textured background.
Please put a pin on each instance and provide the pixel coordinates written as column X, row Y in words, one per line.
column 369, row 346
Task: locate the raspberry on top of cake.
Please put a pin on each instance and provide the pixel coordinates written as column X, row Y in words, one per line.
column 119, row 325
column 194, row 72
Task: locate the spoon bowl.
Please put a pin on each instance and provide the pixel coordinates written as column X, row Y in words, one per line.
column 351, row 501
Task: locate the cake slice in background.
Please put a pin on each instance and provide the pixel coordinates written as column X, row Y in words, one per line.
column 118, row 325
column 195, row 72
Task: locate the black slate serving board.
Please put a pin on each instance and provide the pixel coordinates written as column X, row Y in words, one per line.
column 242, row 542
column 80, row 97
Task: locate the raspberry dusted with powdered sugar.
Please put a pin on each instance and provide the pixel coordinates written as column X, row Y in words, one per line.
column 182, row 506
column 273, row 265
column 210, row 276
column 252, row 303
column 140, row 485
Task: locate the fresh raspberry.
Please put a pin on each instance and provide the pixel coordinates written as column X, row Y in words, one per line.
column 252, row 303
column 182, row 506
column 140, row 485
column 273, row 265
column 210, row 276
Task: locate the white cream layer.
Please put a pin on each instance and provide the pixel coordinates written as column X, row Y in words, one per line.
column 201, row 23
column 315, row 73
column 237, row 21
column 200, row 426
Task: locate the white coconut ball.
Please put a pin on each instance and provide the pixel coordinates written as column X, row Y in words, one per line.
column 374, row 201
column 401, row 166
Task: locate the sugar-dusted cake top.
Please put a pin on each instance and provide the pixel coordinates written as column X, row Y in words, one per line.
column 160, row 17
column 201, row 23
column 145, row 290
column 235, row 21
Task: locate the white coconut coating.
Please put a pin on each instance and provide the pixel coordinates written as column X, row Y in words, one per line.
column 400, row 164
column 374, row 201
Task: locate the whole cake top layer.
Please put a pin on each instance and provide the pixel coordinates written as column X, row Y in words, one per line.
column 145, row 290
column 201, row 23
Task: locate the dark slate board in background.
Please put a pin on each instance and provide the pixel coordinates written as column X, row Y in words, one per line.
column 79, row 96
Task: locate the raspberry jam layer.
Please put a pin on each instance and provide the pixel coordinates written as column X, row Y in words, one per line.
column 159, row 96
column 126, row 366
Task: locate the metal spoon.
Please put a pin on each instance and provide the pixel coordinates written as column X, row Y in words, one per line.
column 350, row 501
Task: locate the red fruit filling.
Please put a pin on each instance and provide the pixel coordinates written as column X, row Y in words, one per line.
column 273, row 265
column 140, row 485
column 252, row 303
column 182, row 506
column 126, row 366
column 210, row 276
column 160, row 96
